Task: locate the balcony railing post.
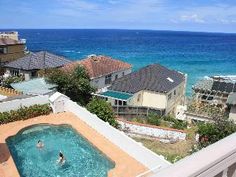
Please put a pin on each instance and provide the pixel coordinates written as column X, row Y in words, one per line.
column 225, row 173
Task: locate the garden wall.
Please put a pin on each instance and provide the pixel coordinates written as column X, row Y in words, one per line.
column 17, row 103
column 152, row 131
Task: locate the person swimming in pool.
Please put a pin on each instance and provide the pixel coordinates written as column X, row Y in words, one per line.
column 40, row 144
column 61, row 159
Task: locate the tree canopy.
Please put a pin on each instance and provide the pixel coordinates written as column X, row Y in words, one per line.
column 75, row 85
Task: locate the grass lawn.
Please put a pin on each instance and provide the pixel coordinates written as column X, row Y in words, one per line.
column 172, row 152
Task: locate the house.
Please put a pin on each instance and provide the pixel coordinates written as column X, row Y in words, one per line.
column 214, row 90
column 33, row 62
column 11, row 48
column 153, row 86
column 102, row 70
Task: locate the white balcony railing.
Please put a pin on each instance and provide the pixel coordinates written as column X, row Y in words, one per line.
column 217, row 160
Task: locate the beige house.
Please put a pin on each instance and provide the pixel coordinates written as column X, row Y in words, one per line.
column 153, row 86
column 11, row 48
column 102, row 70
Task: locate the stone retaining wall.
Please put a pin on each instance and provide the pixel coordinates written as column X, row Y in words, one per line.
column 151, row 130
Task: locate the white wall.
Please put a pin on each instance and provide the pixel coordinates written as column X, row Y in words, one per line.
column 152, row 131
column 99, row 82
column 17, row 103
column 26, row 74
column 128, row 145
column 232, row 114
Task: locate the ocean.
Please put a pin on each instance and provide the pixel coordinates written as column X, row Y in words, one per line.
column 197, row 54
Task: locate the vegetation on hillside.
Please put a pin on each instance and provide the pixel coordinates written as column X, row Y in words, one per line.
column 210, row 133
column 207, row 109
column 103, row 110
column 165, row 121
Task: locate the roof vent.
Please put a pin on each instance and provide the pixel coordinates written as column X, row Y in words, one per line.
column 169, row 79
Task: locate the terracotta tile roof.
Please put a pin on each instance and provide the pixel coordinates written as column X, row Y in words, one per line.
column 97, row 66
column 8, row 41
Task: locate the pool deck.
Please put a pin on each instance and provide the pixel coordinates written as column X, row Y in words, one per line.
column 125, row 165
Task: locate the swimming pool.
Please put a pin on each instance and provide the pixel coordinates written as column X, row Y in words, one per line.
column 82, row 159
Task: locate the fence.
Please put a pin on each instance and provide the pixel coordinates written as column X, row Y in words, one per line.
column 9, row 91
column 127, row 144
column 152, row 131
column 17, row 103
column 198, row 117
column 129, row 112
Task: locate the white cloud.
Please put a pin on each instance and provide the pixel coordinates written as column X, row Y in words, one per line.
column 192, row 18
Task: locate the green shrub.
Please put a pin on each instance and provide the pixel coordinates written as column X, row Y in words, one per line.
column 178, row 124
column 12, row 79
column 103, row 110
column 24, row 113
column 153, row 119
column 139, row 120
column 212, row 132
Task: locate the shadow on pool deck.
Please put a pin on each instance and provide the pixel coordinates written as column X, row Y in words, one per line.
column 4, row 153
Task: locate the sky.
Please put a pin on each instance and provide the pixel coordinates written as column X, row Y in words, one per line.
column 176, row 15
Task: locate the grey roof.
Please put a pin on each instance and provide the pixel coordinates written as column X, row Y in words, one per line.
column 231, row 99
column 215, row 85
column 35, row 86
column 154, row 77
column 39, row 60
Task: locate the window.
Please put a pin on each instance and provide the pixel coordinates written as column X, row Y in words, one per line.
column 124, row 103
column 115, row 102
column 174, row 92
column 120, row 103
column 108, row 79
column 116, row 77
column 169, row 96
column 34, row 73
column 3, row 50
column 15, row 72
column 123, row 73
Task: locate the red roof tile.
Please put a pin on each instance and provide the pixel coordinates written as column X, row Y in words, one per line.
column 97, row 66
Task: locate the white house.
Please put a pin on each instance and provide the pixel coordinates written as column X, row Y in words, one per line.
column 102, row 70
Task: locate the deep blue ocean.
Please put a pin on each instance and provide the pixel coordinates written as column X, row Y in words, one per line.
column 194, row 53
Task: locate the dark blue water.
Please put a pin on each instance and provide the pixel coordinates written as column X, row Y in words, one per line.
column 197, row 54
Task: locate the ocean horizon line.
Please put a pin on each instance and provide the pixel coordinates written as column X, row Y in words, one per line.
column 123, row 29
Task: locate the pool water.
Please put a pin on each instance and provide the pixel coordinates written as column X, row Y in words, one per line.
column 82, row 159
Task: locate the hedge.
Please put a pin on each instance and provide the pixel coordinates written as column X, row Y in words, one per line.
column 24, row 113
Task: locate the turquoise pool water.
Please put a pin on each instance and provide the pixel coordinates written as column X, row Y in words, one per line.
column 82, row 159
